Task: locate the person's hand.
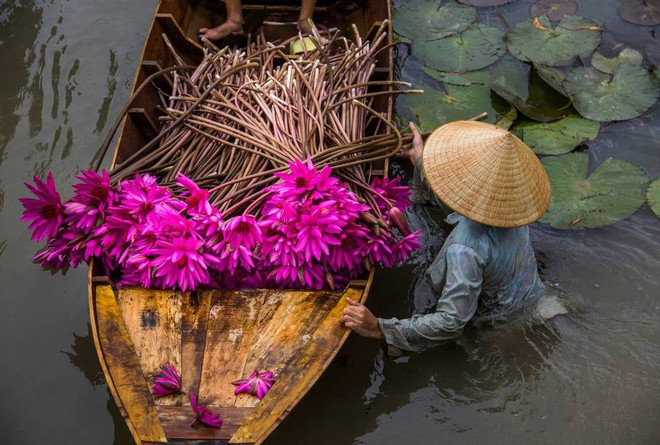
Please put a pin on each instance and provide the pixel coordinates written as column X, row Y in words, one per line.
column 358, row 318
column 414, row 153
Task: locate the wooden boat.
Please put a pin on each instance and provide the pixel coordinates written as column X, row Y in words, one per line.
column 216, row 336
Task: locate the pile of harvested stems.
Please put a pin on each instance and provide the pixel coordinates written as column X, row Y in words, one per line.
column 243, row 115
column 266, row 178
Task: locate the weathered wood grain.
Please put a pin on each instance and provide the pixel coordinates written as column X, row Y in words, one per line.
column 153, row 320
column 298, row 376
column 176, row 422
column 195, row 314
column 287, row 330
column 124, row 367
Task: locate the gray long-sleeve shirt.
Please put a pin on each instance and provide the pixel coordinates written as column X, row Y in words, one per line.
column 483, row 274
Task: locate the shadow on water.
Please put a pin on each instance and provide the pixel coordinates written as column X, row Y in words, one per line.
column 83, row 356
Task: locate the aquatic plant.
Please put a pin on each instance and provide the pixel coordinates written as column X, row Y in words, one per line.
column 203, row 414
column 168, row 382
column 46, row 211
column 257, row 384
column 310, row 232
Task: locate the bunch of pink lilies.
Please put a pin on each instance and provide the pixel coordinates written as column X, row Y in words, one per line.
column 310, row 232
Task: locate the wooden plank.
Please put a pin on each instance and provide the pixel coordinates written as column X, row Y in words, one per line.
column 299, row 375
column 124, row 367
column 150, row 67
column 231, row 327
column 194, row 319
column 144, row 122
column 178, row 36
column 288, row 331
column 153, row 320
column 176, row 422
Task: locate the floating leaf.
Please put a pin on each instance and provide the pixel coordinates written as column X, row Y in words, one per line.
column 653, row 197
column 529, row 94
column 434, row 108
column 485, row 3
column 628, row 56
column 451, row 78
column 473, row 49
column 615, row 190
column 558, row 137
column 541, row 43
column 428, row 20
column 641, row 12
column 600, row 97
column 553, row 9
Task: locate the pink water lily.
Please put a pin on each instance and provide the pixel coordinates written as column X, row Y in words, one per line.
column 258, row 384
column 204, row 415
column 45, row 212
column 196, row 197
column 168, row 382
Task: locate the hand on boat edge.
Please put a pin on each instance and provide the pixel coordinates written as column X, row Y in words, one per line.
column 360, row 320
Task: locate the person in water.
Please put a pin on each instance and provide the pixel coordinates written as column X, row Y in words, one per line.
column 486, row 272
column 234, row 22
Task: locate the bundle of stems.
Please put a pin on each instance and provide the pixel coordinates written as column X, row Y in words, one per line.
column 242, row 115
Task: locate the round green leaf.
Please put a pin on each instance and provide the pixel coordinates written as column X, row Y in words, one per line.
column 434, row 108
column 558, row 137
column 597, row 96
column 428, row 20
column 615, row 190
column 628, row 56
column 653, row 197
column 475, row 48
column 485, row 3
column 535, row 40
column 641, row 12
column 528, row 93
column 553, row 9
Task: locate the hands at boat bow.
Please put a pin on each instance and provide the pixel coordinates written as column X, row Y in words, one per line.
column 360, row 320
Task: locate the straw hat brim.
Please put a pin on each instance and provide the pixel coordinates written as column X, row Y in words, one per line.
column 486, row 174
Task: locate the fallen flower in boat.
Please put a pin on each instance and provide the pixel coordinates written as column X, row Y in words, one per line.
column 204, row 415
column 168, row 382
column 45, row 212
column 258, row 384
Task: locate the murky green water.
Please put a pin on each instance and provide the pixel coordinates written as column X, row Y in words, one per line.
column 592, row 377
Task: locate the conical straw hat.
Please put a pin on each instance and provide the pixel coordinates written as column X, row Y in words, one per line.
column 486, row 174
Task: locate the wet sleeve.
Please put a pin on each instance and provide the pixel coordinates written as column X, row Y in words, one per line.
column 455, row 308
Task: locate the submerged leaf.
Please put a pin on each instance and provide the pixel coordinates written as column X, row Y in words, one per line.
column 529, row 94
column 475, row 48
column 558, row 137
column 628, row 56
column 615, row 190
column 430, row 20
column 508, row 118
column 554, row 9
column 597, row 96
column 434, row 108
column 653, row 197
column 541, row 43
column 641, row 12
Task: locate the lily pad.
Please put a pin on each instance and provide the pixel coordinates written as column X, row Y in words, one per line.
column 434, row 108
column 530, row 95
column 628, row 56
column 485, row 3
column 641, row 12
column 604, row 98
column 615, row 190
column 429, row 20
column 475, row 48
column 508, row 118
column 535, row 40
column 558, row 137
column 451, row 78
column 552, row 77
column 554, row 9
column 653, row 197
